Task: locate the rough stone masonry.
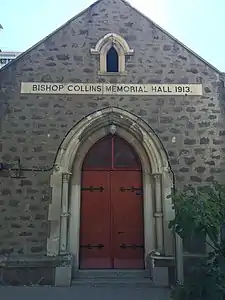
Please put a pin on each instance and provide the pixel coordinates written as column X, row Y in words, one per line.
column 33, row 126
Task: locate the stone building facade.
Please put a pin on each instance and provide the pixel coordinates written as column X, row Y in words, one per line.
column 44, row 136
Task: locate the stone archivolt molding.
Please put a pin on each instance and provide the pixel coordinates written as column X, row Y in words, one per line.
column 64, row 209
column 103, row 46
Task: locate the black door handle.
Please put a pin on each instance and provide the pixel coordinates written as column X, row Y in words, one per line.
column 93, row 188
column 133, row 246
column 90, row 246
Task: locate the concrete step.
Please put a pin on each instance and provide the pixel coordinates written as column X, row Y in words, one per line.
column 116, row 282
column 112, row 274
column 112, row 277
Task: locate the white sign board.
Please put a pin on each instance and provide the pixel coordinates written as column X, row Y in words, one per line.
column 111, row 89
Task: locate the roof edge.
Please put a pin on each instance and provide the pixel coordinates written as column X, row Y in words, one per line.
column 49, row 35
column 92, row 5
column 172, row 37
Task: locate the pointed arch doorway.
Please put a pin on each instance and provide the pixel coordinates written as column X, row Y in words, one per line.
column 66, row 182
column 111, row 217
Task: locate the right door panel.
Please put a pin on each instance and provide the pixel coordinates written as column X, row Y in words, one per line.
column 127, row 220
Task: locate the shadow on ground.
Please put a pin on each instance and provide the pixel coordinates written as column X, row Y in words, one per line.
column 84, row 293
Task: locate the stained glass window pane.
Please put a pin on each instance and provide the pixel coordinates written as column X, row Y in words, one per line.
column 100, row 155
column 124, row 155
column 112, row 60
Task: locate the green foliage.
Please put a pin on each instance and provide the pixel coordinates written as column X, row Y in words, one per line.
column 199, row 211
column 206, row 281
column 202, row 212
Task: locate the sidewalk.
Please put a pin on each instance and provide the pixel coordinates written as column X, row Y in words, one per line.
column 83, row 293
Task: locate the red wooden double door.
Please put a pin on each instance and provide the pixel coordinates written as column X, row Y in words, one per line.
column 111, row 228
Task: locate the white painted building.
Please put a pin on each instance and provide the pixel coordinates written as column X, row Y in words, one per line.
column 7, row 56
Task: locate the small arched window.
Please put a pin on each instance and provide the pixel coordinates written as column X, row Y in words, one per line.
column 112, row 61
column 112, row 49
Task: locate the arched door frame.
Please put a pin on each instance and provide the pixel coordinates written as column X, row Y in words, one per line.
column 64, row 209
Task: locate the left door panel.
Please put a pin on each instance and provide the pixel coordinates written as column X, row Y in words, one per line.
column 95, row 239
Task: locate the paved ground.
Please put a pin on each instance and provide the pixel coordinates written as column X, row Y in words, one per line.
column 83, row 293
